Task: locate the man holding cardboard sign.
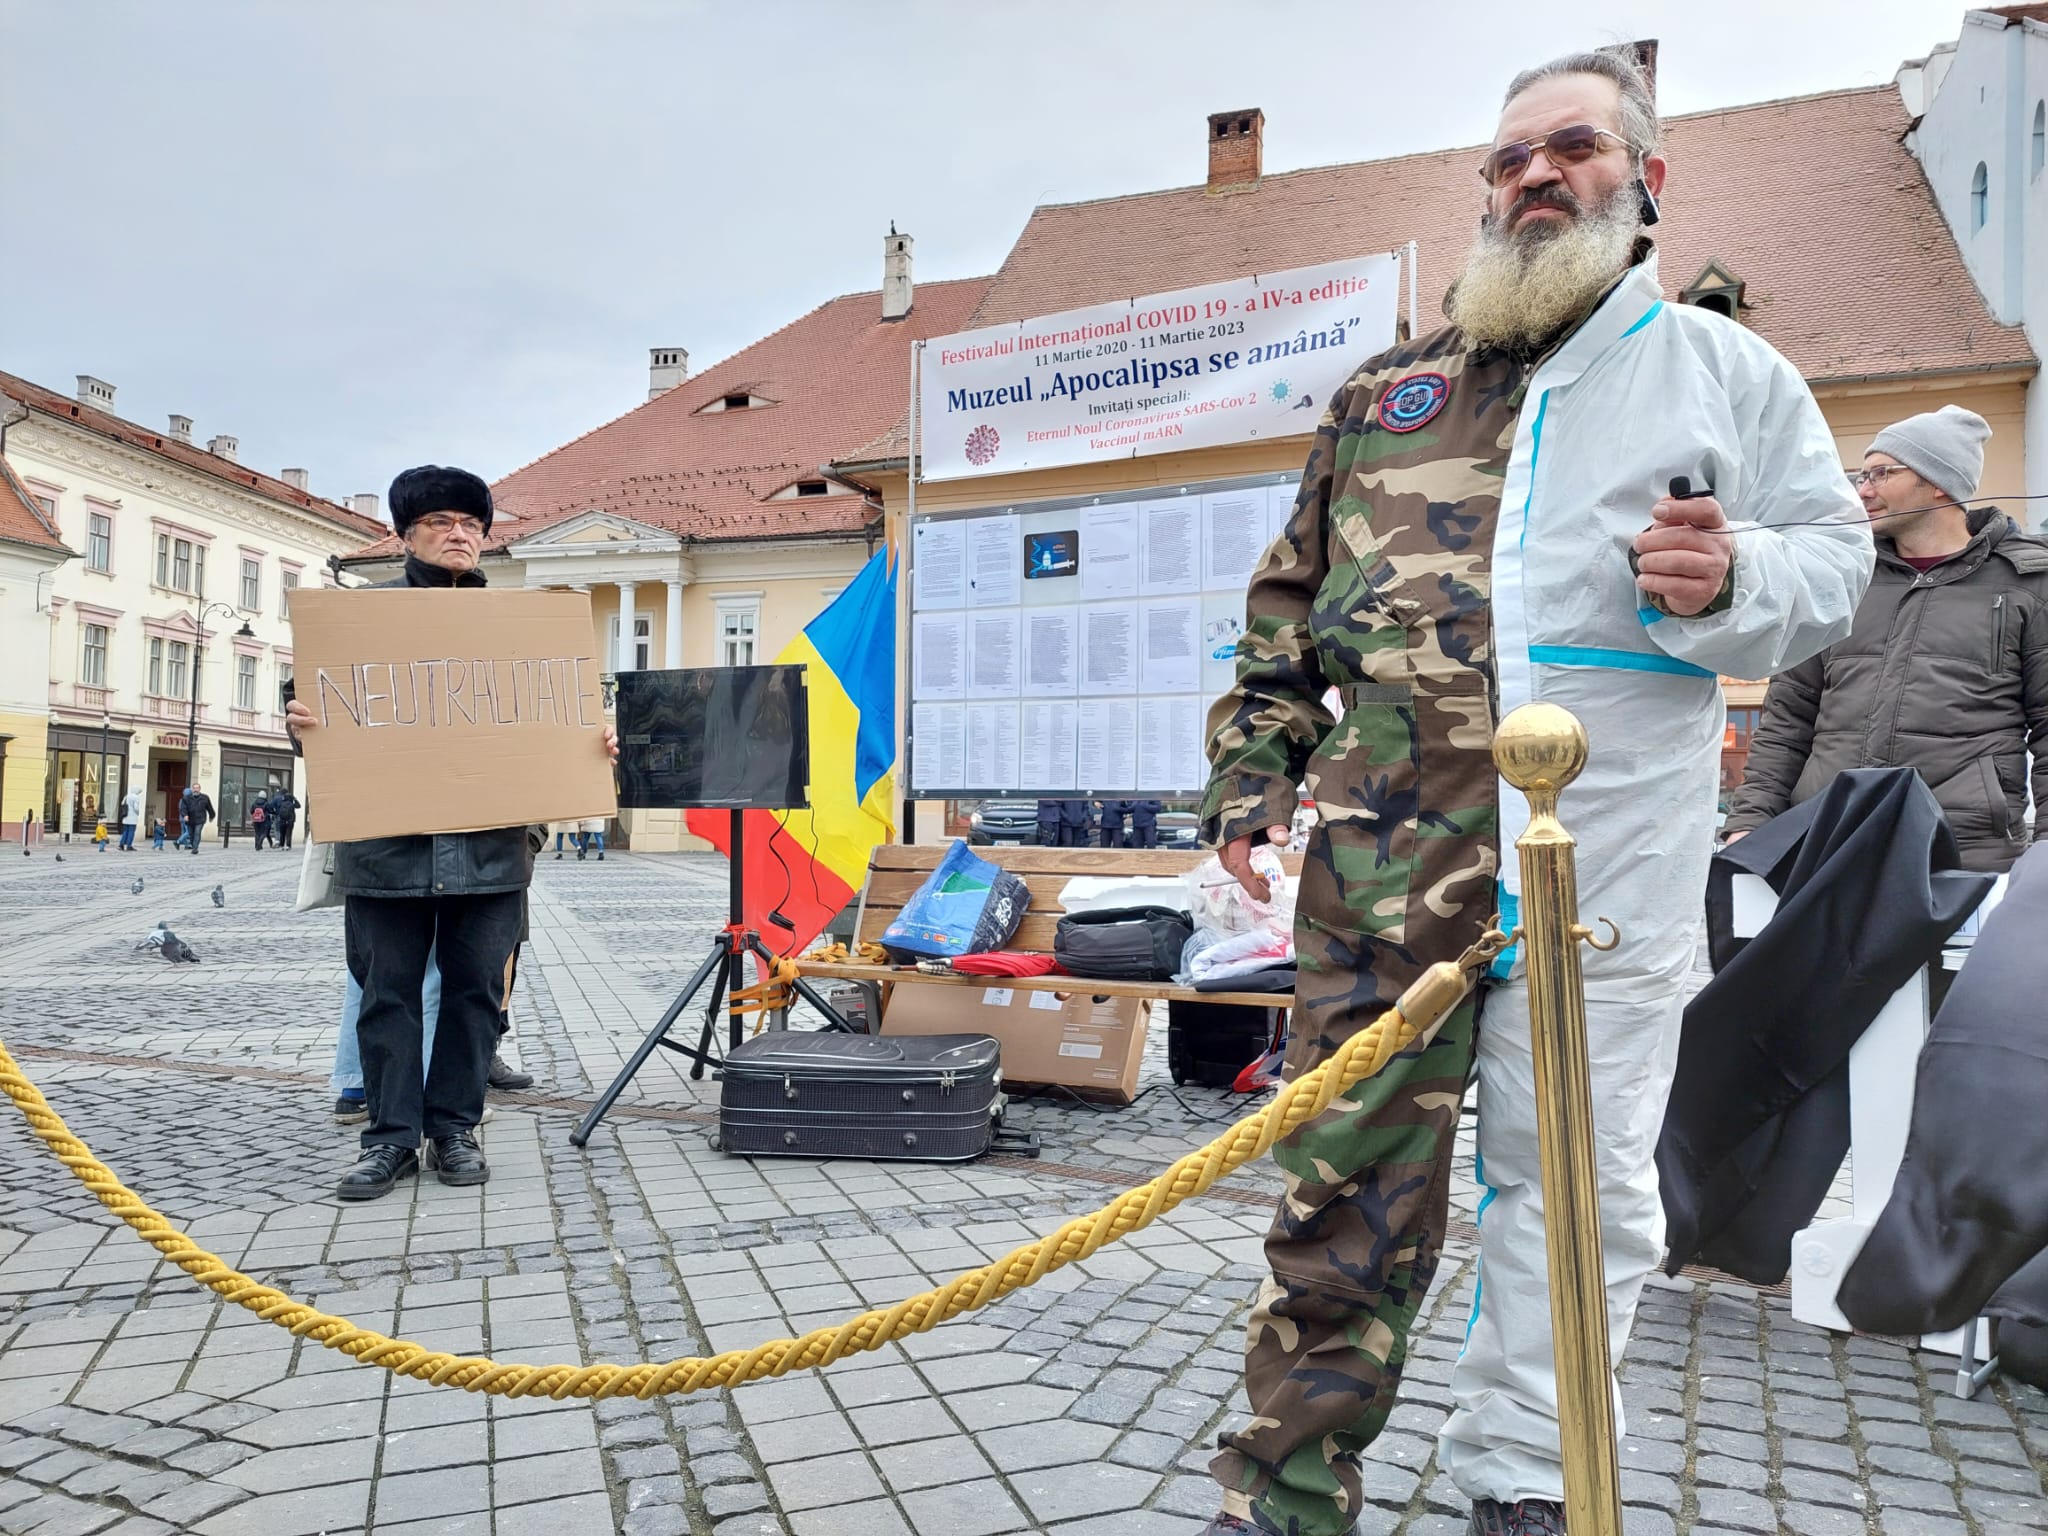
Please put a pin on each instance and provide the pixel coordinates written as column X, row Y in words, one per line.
column 445, row 727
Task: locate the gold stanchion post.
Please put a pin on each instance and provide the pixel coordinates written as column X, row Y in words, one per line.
column 1540, row 749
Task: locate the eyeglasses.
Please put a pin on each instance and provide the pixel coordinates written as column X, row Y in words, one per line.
column 1874, row 474
column 1561, row 146
column 448, row 522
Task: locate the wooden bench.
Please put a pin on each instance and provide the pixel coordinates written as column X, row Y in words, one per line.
column 896, row 870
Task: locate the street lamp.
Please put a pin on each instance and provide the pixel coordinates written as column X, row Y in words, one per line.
column 106, row 720
column 192, row 726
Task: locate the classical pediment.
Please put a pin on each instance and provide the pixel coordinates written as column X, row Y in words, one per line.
column 595, row 529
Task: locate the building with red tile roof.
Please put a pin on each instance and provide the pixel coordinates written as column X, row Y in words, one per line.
column 157, row 602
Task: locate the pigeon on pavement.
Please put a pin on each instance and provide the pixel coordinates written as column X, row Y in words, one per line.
column 220, row 897
column 176, row 948
column 136, row 888
column 60, row 857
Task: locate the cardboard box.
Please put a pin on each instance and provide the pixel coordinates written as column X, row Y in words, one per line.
column 449, row 710
column 1092, row 1047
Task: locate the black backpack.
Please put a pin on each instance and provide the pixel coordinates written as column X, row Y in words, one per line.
column 1123, row 943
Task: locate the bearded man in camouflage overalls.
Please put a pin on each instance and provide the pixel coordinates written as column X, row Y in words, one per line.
column 1483, row 522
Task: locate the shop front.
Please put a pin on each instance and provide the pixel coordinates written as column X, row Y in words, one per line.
column 247, row 775
column 88, row 774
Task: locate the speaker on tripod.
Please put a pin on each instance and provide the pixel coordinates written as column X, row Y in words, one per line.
column 735, row 739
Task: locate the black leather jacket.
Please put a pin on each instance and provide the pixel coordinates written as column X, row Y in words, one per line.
column 447, row 863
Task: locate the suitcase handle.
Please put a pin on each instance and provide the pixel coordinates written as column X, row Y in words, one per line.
column 1015, row 1143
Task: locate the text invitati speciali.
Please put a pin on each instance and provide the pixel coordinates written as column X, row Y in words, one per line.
column 548, row 690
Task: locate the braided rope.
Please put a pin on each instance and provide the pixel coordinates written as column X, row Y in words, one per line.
column 1252, row 1137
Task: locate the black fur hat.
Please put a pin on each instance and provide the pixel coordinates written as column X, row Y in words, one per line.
column 434, row 488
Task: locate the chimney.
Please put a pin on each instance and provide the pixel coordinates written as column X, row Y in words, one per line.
column 181, row 428
column 297, row 479
column 666, row 368
column 896, row 286
column 1236, row 147
column 223, row 447
column 365, row 503
column 97, row 393
column 1644, row 52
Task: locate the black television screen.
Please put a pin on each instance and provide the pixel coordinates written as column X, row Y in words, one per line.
column 714, row 738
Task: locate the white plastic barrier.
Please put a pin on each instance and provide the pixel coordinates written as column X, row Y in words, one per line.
column 1882, row 1068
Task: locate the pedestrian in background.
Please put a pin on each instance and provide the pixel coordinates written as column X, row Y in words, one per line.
column 586, row 832
column 259, row 822
column 131, row 819
column 1946, row 670
column 284, row 809
column 157, row 832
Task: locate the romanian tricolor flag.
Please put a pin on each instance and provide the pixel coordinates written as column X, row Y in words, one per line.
column 808, row 864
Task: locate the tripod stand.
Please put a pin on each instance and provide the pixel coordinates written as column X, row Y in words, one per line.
column 726, row 968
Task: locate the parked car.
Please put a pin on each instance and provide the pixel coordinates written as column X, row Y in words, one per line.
column 1180, row 830
column 1006, row 823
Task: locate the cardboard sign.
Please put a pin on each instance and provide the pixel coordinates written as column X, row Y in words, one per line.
column 449, row 710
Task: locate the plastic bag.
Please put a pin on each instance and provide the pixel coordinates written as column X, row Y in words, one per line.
column 1218, row 904
column 965, row 906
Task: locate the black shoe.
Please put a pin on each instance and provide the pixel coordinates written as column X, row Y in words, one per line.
column 1228, row 1525
column 458, row 1159
column 505, row 1077
column 579, row 853
column 376, row 1171
column 351, row 1111
column 1529, row 1517
column 600, row 855
column 558, row 853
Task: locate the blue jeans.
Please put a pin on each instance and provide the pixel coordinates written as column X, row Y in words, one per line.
column 158, row 837
column 127, row 835
column 347, row 1079
column 593, row 838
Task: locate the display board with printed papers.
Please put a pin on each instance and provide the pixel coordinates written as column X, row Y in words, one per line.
column 1072, row 648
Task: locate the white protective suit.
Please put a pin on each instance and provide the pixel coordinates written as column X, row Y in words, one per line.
column 1645, row 391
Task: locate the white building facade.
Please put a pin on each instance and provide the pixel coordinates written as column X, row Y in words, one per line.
column 170, row 636
column 1982, row 139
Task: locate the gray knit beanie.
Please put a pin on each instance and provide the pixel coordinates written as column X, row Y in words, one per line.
column 1944, row 448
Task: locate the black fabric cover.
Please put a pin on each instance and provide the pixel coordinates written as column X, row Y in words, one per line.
column 1758, row 1120
column 1123, row 943
column 1274, row 978
column 1970, row 1209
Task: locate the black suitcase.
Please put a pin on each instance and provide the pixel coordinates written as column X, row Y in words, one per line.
column 927, row 1098
column 1208, row 1044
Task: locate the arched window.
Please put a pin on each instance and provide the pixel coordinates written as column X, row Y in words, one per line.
column 1980, row 197
column 2040, row 152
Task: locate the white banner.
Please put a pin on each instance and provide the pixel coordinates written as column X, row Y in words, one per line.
column 1224, row 363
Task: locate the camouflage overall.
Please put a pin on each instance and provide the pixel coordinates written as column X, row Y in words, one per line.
column 1379, row 587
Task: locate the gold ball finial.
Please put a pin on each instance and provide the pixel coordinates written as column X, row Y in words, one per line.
column 1540, row 748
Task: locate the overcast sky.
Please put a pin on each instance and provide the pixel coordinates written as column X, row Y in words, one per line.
column 358, row 236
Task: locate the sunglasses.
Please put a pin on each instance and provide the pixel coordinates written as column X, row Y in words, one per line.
column 1561, row 146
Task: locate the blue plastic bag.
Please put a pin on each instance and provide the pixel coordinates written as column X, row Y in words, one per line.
column 965, row 907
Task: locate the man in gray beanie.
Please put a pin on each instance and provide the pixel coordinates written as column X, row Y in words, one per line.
column 1946, row 670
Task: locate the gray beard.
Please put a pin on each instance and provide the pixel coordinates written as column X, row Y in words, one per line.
column 1521, row 289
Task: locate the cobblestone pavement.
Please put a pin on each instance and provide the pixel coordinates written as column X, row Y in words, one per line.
column 131, row 1402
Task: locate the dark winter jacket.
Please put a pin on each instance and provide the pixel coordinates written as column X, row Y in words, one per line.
column 1945, row 672
column 285, row 808
column 445, row 863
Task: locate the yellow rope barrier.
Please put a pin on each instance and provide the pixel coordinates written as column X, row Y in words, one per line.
column 1417, row 1014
